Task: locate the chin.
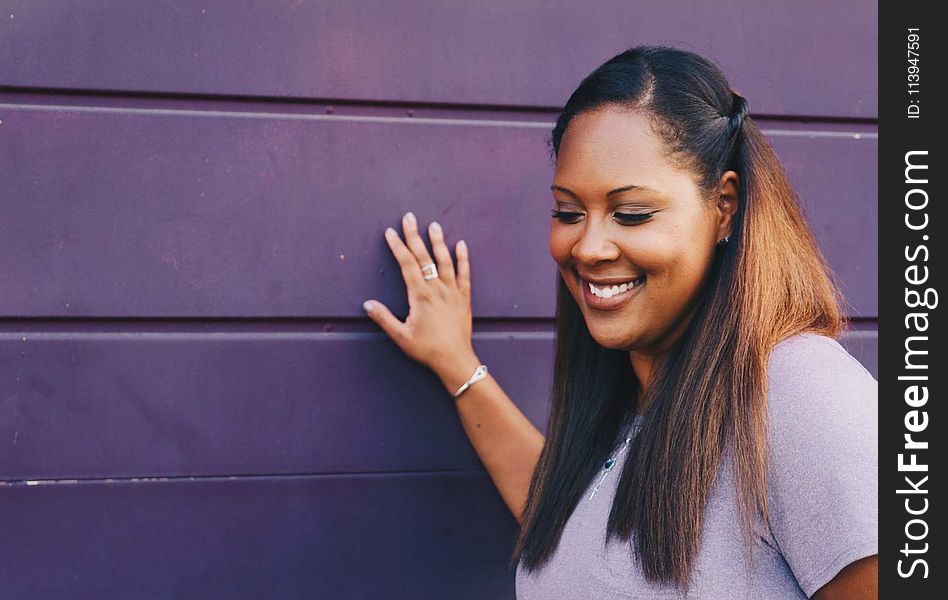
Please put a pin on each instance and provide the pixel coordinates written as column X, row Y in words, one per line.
column 611, row 342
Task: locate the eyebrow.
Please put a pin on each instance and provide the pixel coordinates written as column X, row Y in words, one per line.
column 610, row 193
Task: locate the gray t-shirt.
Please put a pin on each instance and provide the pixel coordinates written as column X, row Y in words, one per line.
column 822, row 491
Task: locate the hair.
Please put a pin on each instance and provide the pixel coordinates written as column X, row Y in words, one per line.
column 708, row 395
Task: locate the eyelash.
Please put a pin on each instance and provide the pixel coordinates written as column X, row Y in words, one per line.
column 625, row 218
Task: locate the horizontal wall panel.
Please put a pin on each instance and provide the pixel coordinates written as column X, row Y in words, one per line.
column 399, row 536
column 183, row 213
column 845, row 220
column 121, row 405
column 526, row 53
column 163, row 404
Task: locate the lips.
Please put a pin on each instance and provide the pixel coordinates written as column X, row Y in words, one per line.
column 613, row 302
column 607, row 290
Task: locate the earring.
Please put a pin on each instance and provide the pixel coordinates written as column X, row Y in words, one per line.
column 723, row 241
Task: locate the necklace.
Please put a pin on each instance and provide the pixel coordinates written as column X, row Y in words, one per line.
column 608, row 464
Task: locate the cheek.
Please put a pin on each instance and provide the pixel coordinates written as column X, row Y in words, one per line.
column 674, row 256
column 671, row 268
column 680, row 281
column 561, row 243
column 654, row 252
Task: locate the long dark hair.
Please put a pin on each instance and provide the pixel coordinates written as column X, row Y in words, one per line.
column 770, row 282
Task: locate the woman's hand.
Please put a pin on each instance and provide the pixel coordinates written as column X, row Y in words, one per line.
column 437, row 332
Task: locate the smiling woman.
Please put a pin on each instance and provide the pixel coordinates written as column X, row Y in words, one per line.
column 695, row 358
column 659, row 233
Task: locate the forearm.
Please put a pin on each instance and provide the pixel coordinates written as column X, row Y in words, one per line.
column 505, row 440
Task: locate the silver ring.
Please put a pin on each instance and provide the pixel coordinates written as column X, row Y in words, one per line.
column 430, row 271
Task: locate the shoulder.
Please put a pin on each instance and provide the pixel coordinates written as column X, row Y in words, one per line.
column 807, row 367
column 823, row 463
column 807, row 354
column 818, row 395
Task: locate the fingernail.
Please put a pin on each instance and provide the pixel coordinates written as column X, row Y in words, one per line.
column 389, row 231
column 463, row 244
column 435, row 226
column 367, row 305
column 411, row 217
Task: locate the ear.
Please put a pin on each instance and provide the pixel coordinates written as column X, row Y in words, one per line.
column 727, row 202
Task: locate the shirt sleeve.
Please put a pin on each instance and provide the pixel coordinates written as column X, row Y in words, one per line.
column 823, row 482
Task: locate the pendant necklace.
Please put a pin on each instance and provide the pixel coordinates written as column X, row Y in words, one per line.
column 608, row 464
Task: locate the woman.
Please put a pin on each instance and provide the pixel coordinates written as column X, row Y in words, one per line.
column 695, row 358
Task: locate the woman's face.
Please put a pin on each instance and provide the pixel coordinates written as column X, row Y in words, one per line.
column 655, row 229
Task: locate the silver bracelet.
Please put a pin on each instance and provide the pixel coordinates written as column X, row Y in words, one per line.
column 479, row 373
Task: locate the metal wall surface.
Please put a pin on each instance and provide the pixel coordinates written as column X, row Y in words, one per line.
column 191, row 214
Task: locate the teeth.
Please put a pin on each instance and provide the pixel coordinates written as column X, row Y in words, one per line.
column 609, row 292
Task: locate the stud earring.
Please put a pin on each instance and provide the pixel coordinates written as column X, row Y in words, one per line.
column 723, row 241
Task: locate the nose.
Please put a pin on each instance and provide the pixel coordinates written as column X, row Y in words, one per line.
column 595, row 244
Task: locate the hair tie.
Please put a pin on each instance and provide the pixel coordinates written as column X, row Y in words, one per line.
column 738, row 111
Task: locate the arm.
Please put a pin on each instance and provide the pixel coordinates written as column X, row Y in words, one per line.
column 505, row 440
column 437, row 333
column 857, row 580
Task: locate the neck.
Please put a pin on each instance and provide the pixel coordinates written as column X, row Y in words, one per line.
column 646, row 360
column 643, row 365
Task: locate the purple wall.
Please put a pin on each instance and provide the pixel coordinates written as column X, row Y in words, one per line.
column 191, row 214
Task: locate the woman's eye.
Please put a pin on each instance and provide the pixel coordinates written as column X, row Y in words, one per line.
column 624, row 218
column 566, row 217
column 632, row 218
